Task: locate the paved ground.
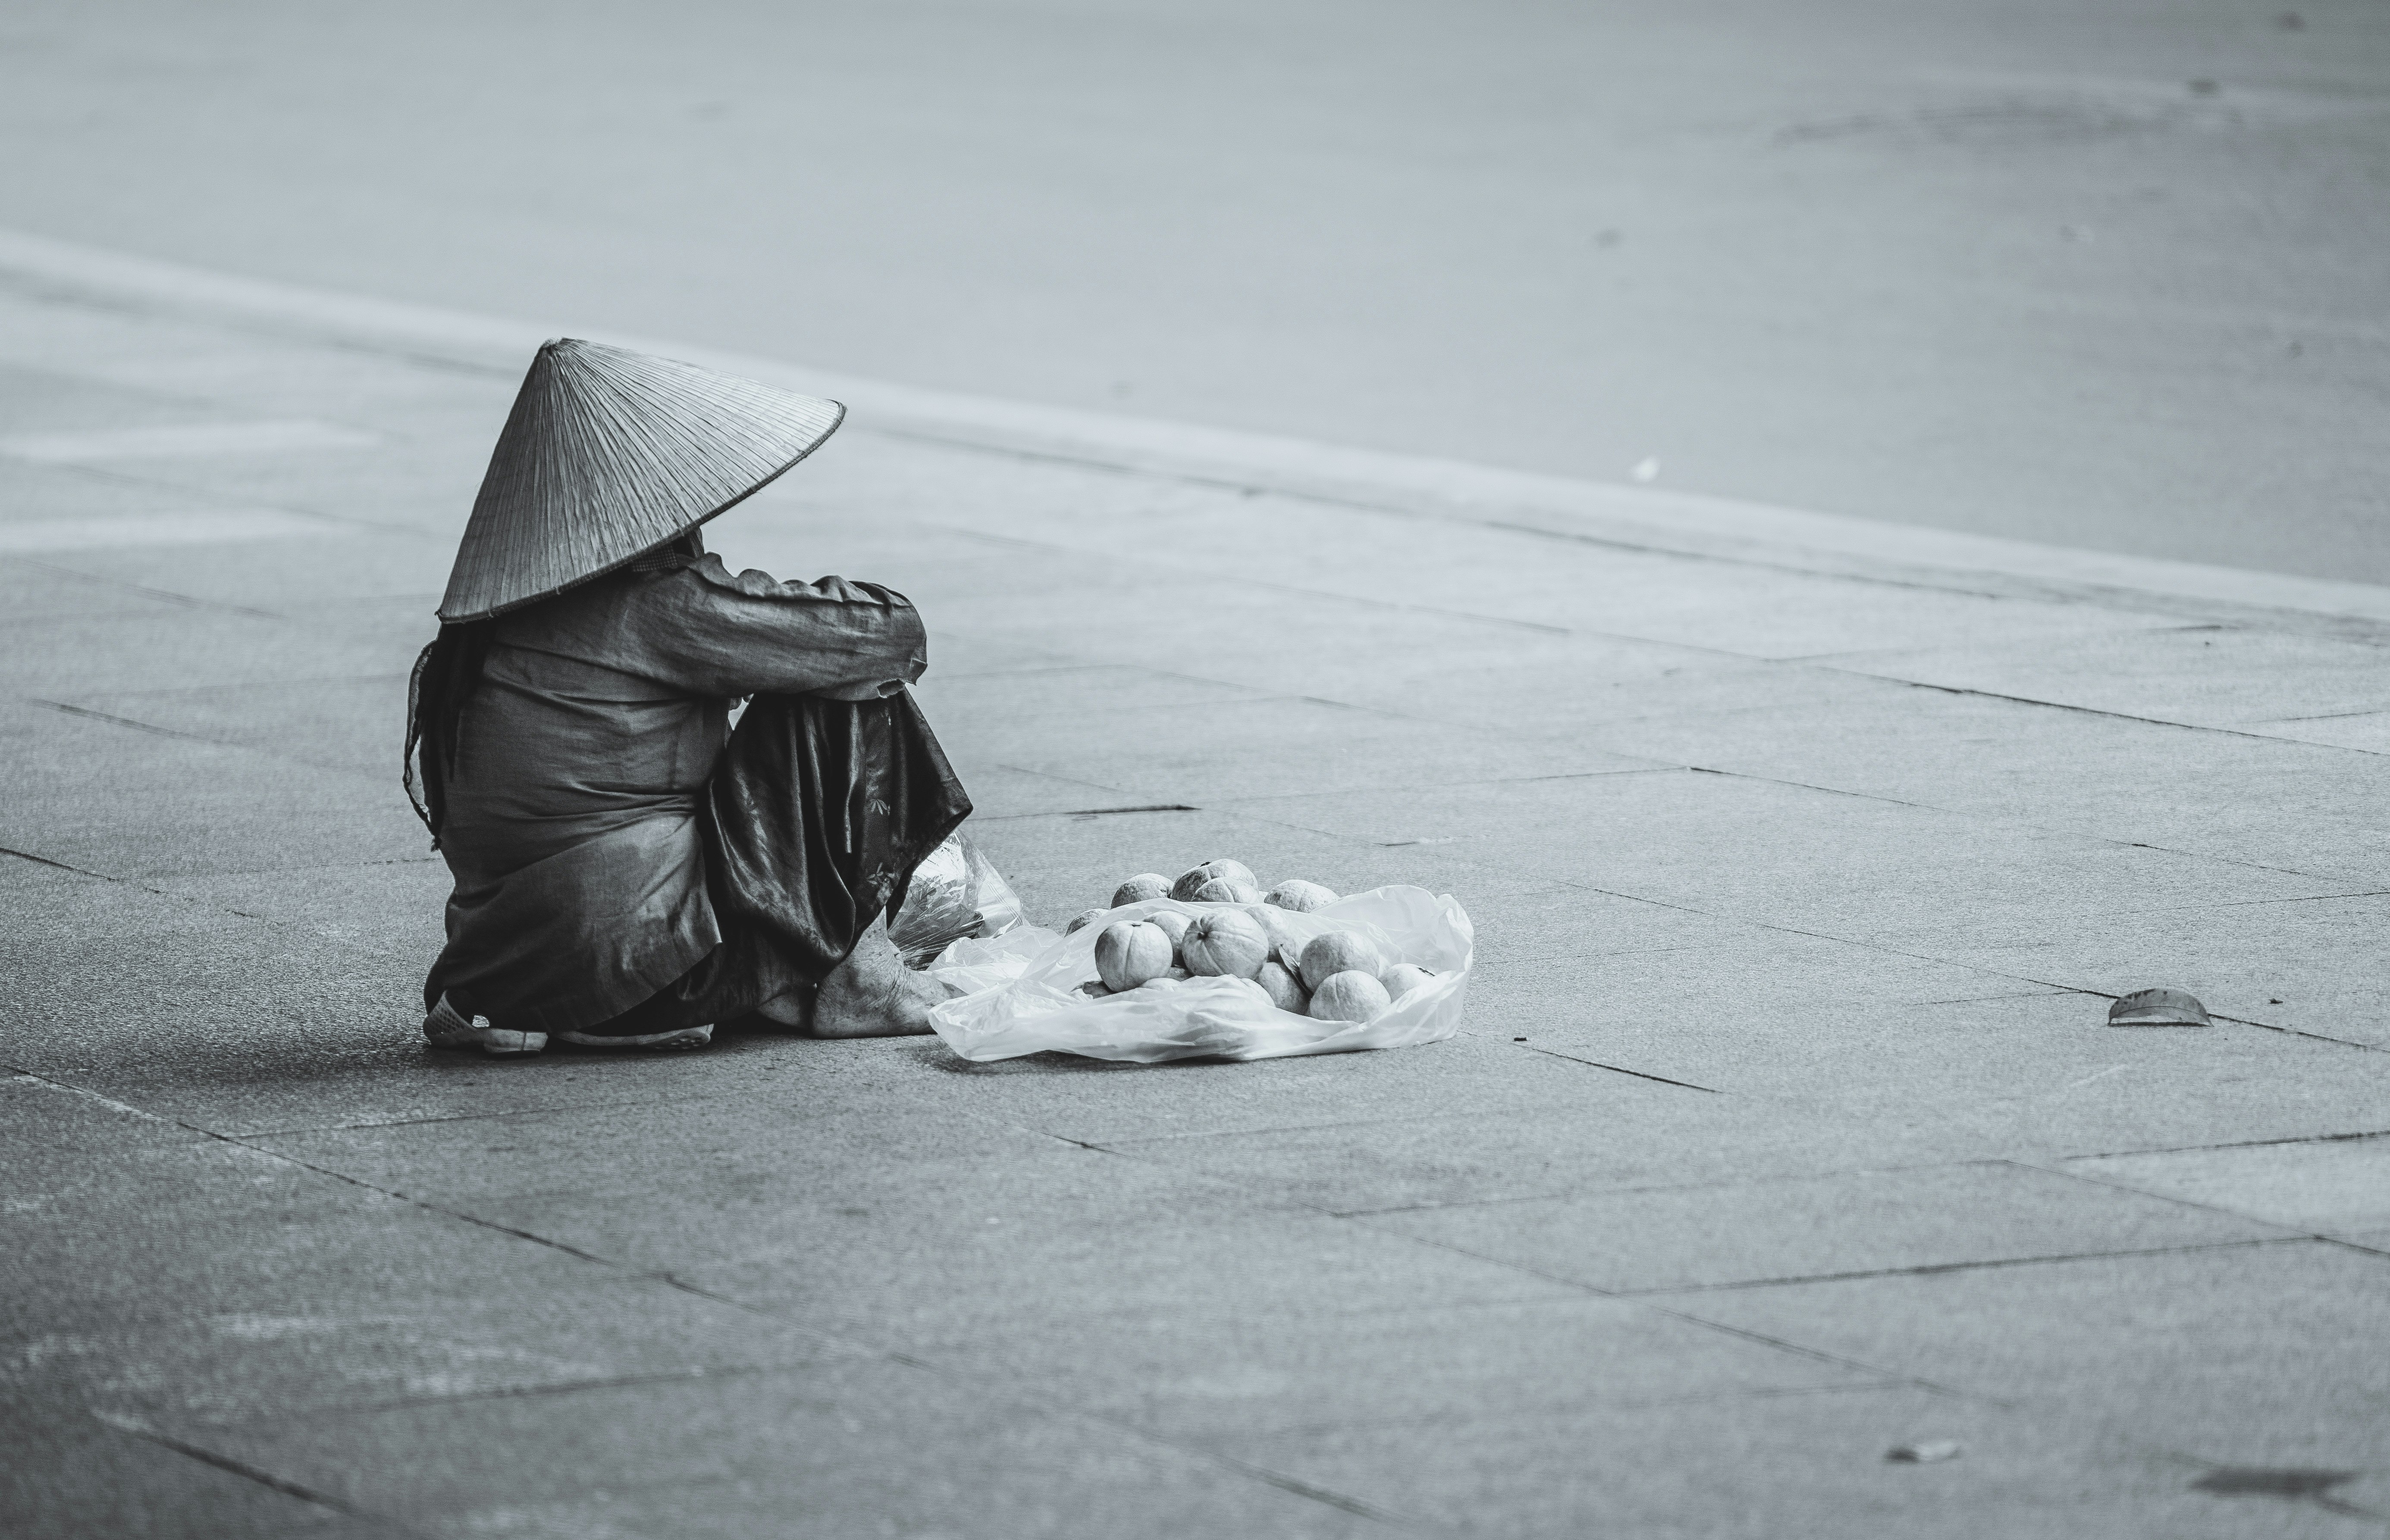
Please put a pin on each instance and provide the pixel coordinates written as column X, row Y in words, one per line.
column 2103, row 272
column 1787, row 1128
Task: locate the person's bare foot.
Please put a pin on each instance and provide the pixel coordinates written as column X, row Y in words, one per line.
column 873, row 993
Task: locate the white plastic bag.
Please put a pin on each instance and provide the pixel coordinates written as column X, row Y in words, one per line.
column 1022, row 990
column 955, row 892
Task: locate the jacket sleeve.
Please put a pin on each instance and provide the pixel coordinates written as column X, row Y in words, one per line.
column 709, row 633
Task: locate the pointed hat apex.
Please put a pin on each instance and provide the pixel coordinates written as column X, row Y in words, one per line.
column 608, row 455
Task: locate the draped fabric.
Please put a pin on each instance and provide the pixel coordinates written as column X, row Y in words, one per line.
column 604, row 843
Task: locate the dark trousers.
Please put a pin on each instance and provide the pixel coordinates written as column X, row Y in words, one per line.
column 813, row 823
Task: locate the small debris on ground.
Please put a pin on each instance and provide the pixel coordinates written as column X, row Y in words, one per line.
column 1925, row 1452
column 2158, row 1008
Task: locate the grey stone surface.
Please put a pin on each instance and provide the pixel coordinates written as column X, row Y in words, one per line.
column 1231, row 1377
column 2336, row 1187
column 2256, row 681
column 788, row 1287
column 2303, row 964
column 825, row 1453
column 2288, row 806
column 1741, row 1233
column 2239, row 1354
column 1758, row 1467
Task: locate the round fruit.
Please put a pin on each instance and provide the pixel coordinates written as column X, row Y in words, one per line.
column 1176, row 975
column 1137, row 889
column 1195, row 876
column 1300, row 896
column 1286, row 943
column 1283, row 990
column 1401, row 979
column 1171, row 923
column 1220, row 889
column 1351, row 996
column 1227, row 944
column 1127, row 954
column 1339, row 952
column 1084, row 917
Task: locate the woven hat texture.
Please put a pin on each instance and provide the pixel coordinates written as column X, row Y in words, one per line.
column 609, row 453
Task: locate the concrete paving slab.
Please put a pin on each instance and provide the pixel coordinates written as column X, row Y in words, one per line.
column 2332, row 1187
column 1635, row 1133
column 280, row 577
column 2368, row 731
column 2024, row 1075
column 1588, row 586
column 32, row 589
column 241, row 1304
column 39, row 404
column 334, row 723
column 1562, row 686
column 1038, row 1281
column 109, row 797
column 1095, row 1102
column 371, row 1069
column 755, row 1141
column 1741, row 1233
column 2205, row 675
column 1000, row 791
column 179, row 647
column 982, row 707
column 394, row 907
column 70, row 1474
column 818, row 1453
column 2237, row 1355
column 112, row 976
column 1758, row 1467
column 1235, row 751
column 2291, row 806
column 2304, row 963
column 1781, row 853
column 37, row 493
column 1254, row 1373
column 959, row 654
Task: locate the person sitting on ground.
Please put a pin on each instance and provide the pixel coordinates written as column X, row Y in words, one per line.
column 631, row 871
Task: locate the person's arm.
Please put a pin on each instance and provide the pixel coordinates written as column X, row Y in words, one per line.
column 713, row 634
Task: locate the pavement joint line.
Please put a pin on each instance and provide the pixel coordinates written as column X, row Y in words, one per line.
column 1888, row 1377
column 165, row 595
column 2100, row 711
column 61, row 866
column 2239, row 1144
column 234, row 745
column 134, row 1426
column 341, row 523
column 132, row 722
column 1714, row 1185
column 2018, row 823
column 1619, row 1068
column 1984, row 1264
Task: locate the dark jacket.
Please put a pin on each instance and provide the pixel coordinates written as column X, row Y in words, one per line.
column 569, row 821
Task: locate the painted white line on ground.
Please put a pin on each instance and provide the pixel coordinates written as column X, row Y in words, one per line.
column 23, row 536
column 1641, row 515
column 196, row 438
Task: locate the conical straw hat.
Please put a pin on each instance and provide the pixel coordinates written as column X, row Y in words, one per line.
column 608, row 455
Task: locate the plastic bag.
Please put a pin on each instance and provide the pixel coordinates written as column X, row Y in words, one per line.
column 1023, row 991
column 957, row 892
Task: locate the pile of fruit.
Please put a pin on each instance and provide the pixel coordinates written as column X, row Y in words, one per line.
column 1341, row 975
